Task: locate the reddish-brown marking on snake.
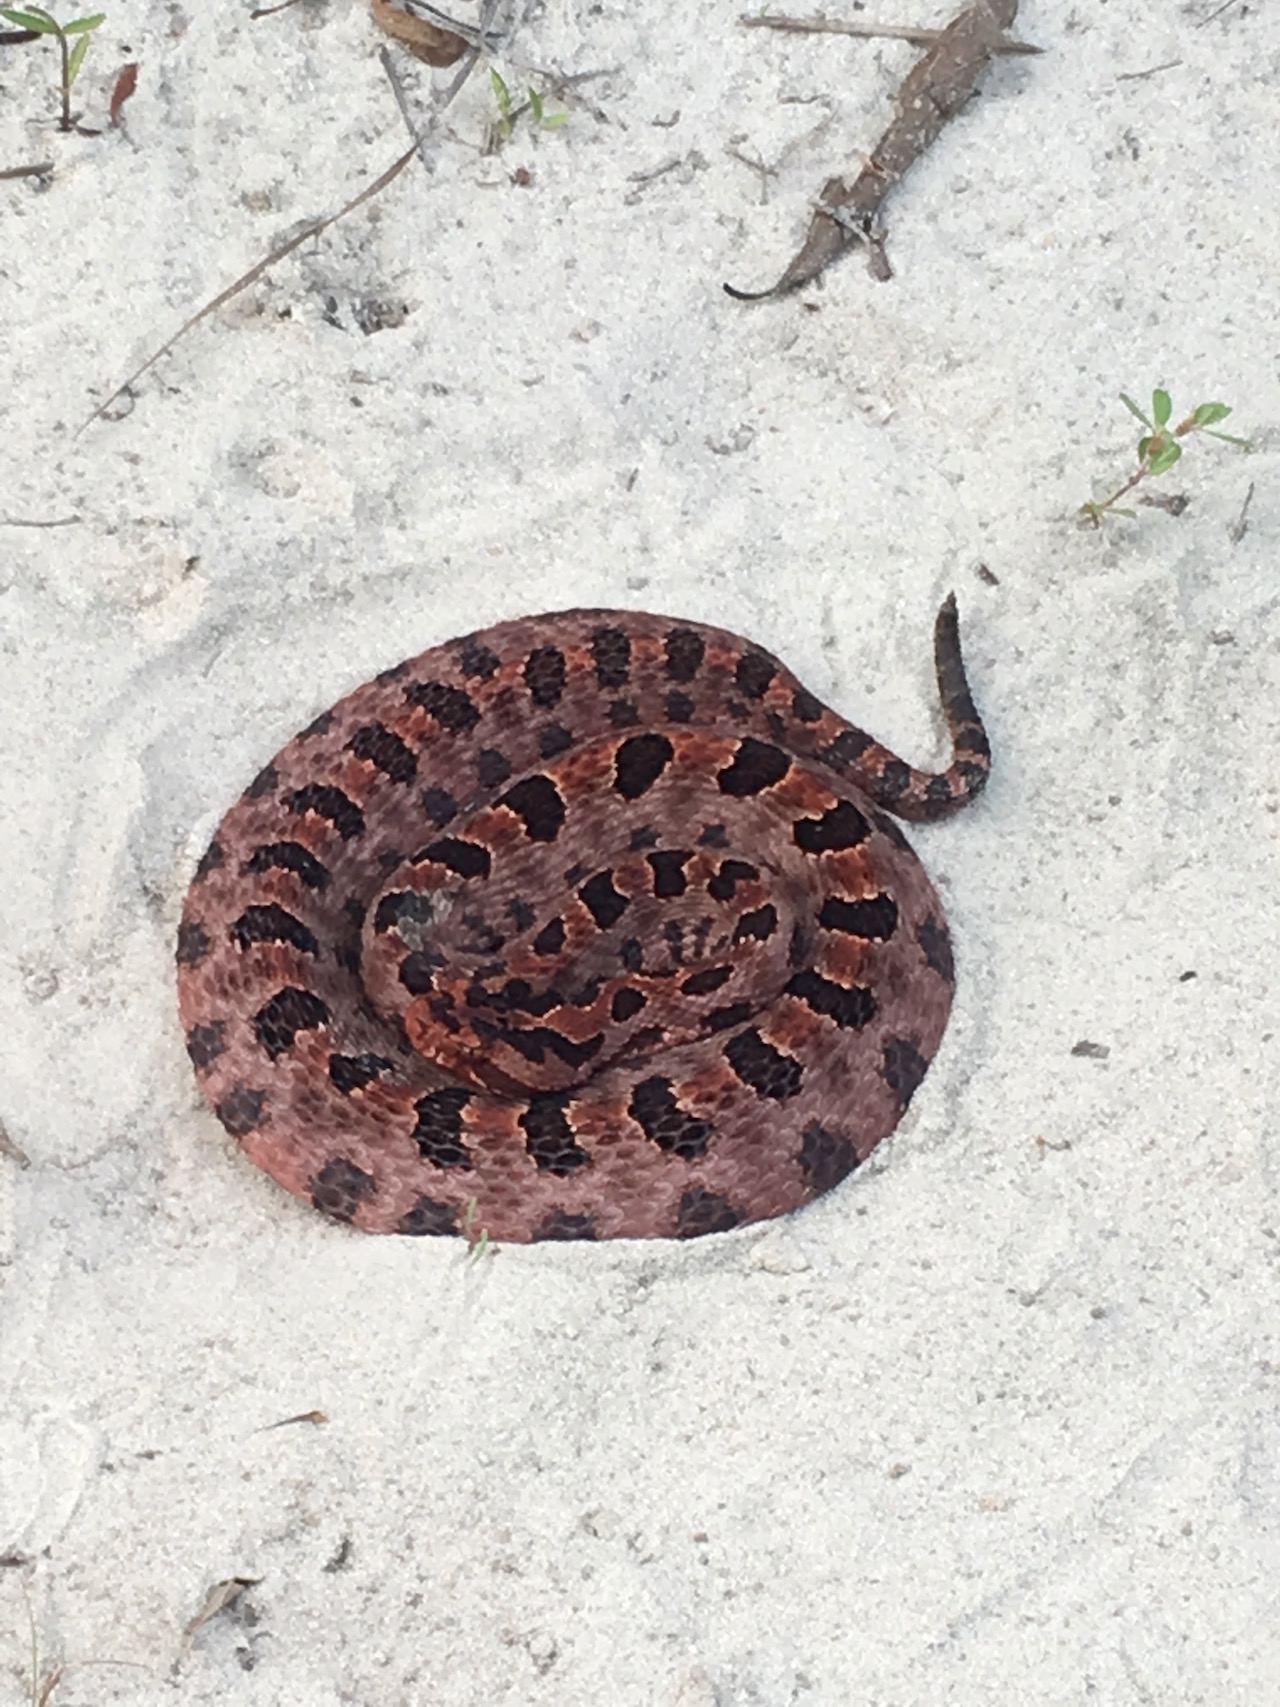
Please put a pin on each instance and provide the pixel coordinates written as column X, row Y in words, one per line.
column 590, row 925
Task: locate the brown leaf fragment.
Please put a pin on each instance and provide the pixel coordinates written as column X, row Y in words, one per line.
column 317, row 1417
column 423, row 40
column 221, row 1596
column 935, row 89
column 125, row 84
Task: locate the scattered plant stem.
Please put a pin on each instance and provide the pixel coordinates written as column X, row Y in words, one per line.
column 313, row 229
column 865, row 32
column 1158, row 448
column 1151, row 71
column 1240, row 527
column 72, row 52
column 44, row 1679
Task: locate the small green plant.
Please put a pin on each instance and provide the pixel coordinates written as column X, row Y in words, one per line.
column 509, row 112
column 72, row 54
column 479, row 1244
column 1158, row 448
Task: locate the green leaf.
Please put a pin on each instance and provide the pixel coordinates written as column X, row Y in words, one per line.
column 1166, row 456
column 1230, row 439
column 1161, row 407
column 76, row 60
column 1207, row 414
column 1133, row 409
column 82, row 26
column 535, row 106
column 1144, row 449
column 553, row 121
column 501, row 94
column 33, row 20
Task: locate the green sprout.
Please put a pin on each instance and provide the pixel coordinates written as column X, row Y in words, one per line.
column 37, row 19
column 1158, row 448
column 479, row 1244
column 509, row 112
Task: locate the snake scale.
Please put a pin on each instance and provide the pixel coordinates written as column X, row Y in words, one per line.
column 589, row 925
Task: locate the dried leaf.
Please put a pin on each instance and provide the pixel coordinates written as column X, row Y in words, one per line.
column 126, row 83
column 423, row 40
column 219, row 1598
column 317, row 1417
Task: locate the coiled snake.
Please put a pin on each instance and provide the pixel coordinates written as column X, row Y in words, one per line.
column 590, row 925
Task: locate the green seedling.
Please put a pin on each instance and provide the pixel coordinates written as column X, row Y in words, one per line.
column 479, row 1244
column 1158, row 448
column 509, row 112
column 73, row 44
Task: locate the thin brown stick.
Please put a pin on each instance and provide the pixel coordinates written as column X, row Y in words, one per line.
column 1225, row 7
column 836, row 27
column 255, row 272
column 1151, row 71
column 36, row 171
column 402, row 101
column 864, row 32
column 1240, row 527
column 314, row 229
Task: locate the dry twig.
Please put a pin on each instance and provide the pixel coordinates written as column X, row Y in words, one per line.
column 935, row 90
column 314, row 229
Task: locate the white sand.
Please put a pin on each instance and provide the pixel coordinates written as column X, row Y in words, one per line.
column 996, row 1421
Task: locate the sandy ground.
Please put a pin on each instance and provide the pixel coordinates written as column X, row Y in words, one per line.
column 997, row 1420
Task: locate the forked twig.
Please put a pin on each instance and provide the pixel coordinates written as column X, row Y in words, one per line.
column 935, row 90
